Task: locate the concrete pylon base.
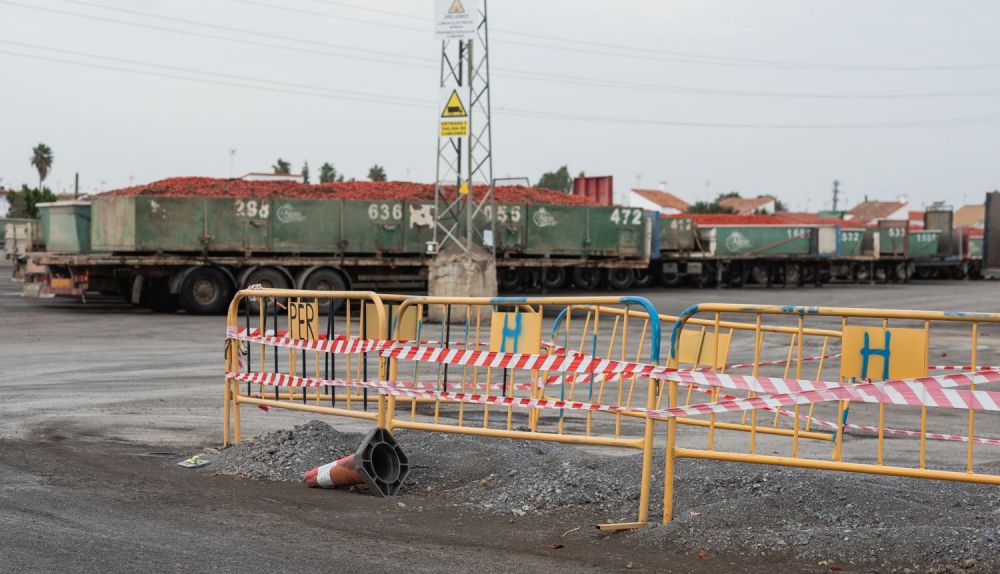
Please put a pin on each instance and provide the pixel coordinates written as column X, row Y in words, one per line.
column 452, row 273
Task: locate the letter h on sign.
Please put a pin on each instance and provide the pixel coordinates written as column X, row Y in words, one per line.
column 867, row 352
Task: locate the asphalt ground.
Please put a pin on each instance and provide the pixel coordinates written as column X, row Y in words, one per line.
column 89, row 387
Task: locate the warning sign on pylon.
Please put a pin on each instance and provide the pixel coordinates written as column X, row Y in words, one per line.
column 454, row 108
column 456, row 19
column 454, row 121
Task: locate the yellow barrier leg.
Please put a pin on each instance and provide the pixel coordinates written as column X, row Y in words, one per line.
column 236, row 412
column 668, row 468
column 227, row 403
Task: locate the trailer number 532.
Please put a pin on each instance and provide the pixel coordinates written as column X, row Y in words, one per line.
column 625, row 216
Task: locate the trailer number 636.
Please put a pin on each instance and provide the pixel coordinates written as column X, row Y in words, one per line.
column 385, row 211
column 622, row 216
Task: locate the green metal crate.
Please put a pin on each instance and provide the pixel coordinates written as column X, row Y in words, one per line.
column 66, row 225
column 677, row 234
column 851, row 242
column 924, row 244
column 975, row 247
column 761, row 240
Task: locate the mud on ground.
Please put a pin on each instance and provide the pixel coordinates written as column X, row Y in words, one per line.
column 767, row 512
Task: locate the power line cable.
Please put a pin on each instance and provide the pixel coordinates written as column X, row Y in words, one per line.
column 173, row 68
column 547, row 77
column 533, row 114
column 214, row 36
column 642, row 52
column 390, row 100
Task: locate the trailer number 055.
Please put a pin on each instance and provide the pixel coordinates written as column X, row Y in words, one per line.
column 622, row 216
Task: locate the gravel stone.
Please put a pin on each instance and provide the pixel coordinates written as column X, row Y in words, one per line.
column 884, row 523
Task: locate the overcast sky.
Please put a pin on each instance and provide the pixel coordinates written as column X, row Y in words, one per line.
column 708, row 96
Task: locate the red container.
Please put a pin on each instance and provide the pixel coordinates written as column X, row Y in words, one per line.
column 600, row 189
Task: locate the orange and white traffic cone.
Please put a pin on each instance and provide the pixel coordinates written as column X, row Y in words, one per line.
column 379, row 464
column 337, row 474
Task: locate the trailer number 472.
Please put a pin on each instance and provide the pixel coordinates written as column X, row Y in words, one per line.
column 623, row 216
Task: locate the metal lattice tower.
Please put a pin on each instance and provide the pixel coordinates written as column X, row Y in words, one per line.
column 465, row 162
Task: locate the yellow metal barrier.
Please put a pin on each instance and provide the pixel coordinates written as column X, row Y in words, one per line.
column 296, row 358
column 303, row 318
column 518, row 325
column 868, row 344
column 696, row 349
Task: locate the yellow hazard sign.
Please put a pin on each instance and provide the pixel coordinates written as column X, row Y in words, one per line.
column 454, row 108
column 456, row 7
column 882, row 354
column 454, row 116
column 459, row 129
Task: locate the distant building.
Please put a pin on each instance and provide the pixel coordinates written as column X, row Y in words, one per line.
column 289, row 177
column 656, row 200
column 873, row 211
column 970, row 216
column 749, row 205
column 4, row 204
column 916, row 219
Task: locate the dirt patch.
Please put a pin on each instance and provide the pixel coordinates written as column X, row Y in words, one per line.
column 830, row 517
column 824, row 518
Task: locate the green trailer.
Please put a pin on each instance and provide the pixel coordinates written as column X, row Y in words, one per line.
column 924, row 244
column 66, row 226
column 852, row 242
column 892, row 238
column 677, row 234
column 761, row 240
column 561, row 230
column 975, row 249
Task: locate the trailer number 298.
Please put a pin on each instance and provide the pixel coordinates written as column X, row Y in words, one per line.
column 251, row 208
column 622, row 216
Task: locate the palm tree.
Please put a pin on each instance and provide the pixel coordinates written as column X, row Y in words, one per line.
column 41, row 158
column 281, row 166
column 376, row 173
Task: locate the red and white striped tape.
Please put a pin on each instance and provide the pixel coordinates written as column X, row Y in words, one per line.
column 963, row 368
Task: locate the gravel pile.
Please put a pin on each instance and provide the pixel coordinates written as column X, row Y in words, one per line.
column 826, row 518
column 516, row 478
column 830, row 517
column 286, row 454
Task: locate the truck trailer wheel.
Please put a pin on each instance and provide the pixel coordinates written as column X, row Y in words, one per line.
column 621, row 279
column 206, row 291
column 326, row 279
column 156, row 296
column 586, row 277
column 508, row 279
column 793, row 274
column 554, row 277
column 643, row 278
column 759, row 273
column 268, row 278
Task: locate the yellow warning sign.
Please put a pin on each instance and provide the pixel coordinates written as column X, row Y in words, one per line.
column 456, row 7
column 455, row 129
column 454, row 108
column 881, row 354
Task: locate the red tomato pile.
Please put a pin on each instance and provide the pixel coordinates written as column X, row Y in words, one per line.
column 362, row 190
